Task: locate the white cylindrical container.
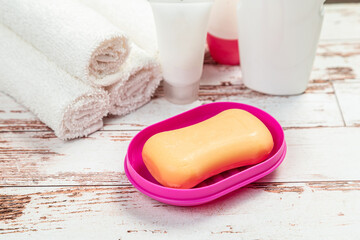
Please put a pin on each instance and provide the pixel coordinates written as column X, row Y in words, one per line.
column 222, row 35
column 181, row 27
column 278, row 43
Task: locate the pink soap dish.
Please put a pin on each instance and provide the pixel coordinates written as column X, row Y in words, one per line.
column 215, row 186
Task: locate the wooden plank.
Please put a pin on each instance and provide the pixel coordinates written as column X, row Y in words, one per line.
column 348, row 94
column 341, row 21
column 320, row 154
column 156, row 110
column 312, row 195
column 15, row 117
column 337, row 60
column 306, row 110
column 224, row 75
column 39, row 158
column 317, row 107
column 314, row 210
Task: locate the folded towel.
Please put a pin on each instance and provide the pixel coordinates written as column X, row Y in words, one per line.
column 134, row 17
column 141, row 73
column 139, row 76
column 74, row 36
column 68, row 106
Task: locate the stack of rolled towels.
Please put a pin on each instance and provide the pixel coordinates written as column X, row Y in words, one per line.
column 73, row 62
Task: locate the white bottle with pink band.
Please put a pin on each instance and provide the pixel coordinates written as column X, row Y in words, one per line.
column 222, row 35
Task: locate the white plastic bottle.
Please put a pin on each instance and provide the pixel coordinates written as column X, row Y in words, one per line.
column 181, row 27
column 222, row 35
column 278, row 43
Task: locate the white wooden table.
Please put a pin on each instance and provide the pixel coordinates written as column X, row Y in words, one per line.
column 51, row 189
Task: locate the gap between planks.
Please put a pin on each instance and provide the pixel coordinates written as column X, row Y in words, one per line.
column 52, row 135
column 94, row 213
column 324, row 182
column 338, row 104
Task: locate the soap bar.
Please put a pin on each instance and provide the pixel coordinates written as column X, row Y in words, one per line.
column 184, row 157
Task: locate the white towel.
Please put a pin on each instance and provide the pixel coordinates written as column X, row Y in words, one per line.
column 139, row 76
column 134, row 17
column 74, row 36
column 141, row 73
column 68, row 106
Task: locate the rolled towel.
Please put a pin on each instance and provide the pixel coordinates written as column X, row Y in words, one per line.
column 139, row 76
column 68, row 106
column 134, row 17
column 141, row 73
column 74, row 36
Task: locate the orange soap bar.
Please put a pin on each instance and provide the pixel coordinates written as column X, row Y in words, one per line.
column 184, row 157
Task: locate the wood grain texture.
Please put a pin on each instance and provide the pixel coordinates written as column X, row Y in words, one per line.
column 337, row 60
column 50, row 189
column 39, row 158
column 314, row 210
column 15, row 117
column 317, row 107
column 43, row 159
column 341, row 21
column 348, row 94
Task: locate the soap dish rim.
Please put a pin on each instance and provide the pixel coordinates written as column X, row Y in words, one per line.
column 209, row 198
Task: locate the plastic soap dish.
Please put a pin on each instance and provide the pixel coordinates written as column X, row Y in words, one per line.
column 215, row 186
